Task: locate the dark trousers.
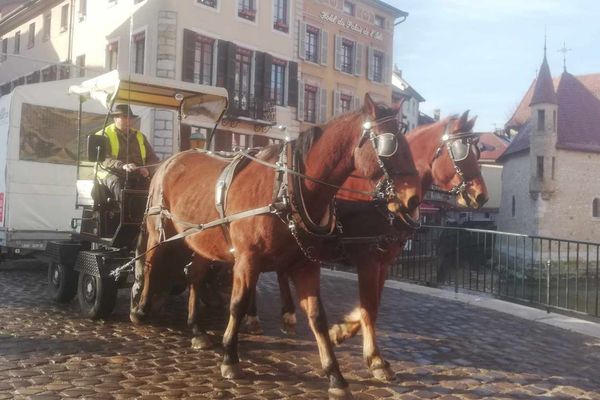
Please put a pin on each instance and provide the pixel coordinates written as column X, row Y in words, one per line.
column 117, row 183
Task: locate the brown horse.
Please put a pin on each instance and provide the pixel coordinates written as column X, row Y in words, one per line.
column 182, row 196
column 446, row 155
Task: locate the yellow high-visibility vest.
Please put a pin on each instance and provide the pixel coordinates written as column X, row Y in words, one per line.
column 111, row 132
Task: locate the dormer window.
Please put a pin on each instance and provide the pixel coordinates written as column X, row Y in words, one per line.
column 349, row 8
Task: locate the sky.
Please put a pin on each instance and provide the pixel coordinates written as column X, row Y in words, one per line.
column 482, row 55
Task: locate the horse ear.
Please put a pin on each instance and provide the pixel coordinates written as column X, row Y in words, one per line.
column 370, row 108
column 462, row 122
column 471, row 124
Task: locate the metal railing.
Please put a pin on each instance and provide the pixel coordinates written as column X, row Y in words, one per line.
column 247, row 105
column 550, row 273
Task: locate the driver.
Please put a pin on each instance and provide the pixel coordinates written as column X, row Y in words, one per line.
column 128, row 151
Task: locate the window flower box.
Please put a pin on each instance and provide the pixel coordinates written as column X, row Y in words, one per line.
column 281, row 25
column 247, row 14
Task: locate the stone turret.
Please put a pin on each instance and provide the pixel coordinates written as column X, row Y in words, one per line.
column 542, row 141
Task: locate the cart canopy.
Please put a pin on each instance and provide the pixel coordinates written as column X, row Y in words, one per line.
column 199, row 104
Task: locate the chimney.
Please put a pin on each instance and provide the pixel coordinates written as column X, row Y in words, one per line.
column 436, row 114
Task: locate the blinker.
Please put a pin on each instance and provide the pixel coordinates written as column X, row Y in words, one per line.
column 386, row 144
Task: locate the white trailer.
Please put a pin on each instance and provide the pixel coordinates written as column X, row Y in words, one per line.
column 38, row 146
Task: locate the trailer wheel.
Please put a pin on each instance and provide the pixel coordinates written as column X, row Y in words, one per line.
column 62, row 282
column 97, row 296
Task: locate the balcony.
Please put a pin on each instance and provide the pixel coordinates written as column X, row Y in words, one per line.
column 247, row 105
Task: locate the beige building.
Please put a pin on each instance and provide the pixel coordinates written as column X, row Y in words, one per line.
column 215, row 42
column 549, row 180
column 403, row 91
column 345, row 48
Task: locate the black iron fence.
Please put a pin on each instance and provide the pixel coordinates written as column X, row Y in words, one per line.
column 560, row 275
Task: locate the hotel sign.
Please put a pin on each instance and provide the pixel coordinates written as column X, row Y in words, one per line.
column 334, row 19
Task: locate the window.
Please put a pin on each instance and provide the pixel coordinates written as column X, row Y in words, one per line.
column 49, row 73
column 4, row 49
column 64, row 72
column 243, row 68
column 312, row 44
column 596, row 208
column 139, row 45
column 379, row 21
column 349, row 8
column 554, row 120
column 64, row 18
column 209, row 3
column 80, row 62
column 541, row 116
column 553, row 166
column 540, row 167
column 31, row 39
column 82, row 9
column 378, row 67
column 310, row 103
column 239, row 141
column 203, row 60
column 17, row 42
column 246, row 9
column 112, row 56
column 347, row 56
column 514, row 206
column 345, row 103
column 198, row 137
column 280, row 15
column 277, row 81
column 47, row 25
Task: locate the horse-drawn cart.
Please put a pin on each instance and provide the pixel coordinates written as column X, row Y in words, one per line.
column 106, row 232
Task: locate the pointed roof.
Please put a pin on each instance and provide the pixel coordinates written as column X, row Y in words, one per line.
column 544, row 89
column 578, row 99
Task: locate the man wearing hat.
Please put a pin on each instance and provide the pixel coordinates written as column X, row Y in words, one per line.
column 128, row 151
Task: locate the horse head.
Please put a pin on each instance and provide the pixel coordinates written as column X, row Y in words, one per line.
column 383, row 155
column 454, row 165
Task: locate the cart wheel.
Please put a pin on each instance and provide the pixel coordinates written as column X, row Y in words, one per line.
column 97, row 296
column 62, row 282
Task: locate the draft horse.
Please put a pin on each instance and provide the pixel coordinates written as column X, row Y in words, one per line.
column 445, row 155
column 182, row 199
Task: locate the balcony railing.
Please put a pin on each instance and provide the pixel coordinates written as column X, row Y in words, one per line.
column 247, row 105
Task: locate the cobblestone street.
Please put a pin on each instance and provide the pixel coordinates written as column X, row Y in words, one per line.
column 439, row 349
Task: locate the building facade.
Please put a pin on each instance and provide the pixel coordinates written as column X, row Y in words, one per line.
column 403, row 91
column 345, row 50
column 549, row 180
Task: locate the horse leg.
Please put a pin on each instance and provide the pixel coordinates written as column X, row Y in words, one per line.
column 288, row 309
column 245, row 275
column 251, row 321
column 197, row 273
column 306, row 280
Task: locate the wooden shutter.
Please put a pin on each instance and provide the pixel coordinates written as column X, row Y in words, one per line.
column 322, row 104
column 230, row 80
column 338, row 52
column 387, row 64
column 324, row 36
column 336, row 103
column 259, row 76
column 293, row 84
column 185, row 133
column 267, row 76
column 300, row 108
column 222, row 50
column 301, row 40
column 358, row 53
column 356, row 101
column 370, row 63
column 187, row 59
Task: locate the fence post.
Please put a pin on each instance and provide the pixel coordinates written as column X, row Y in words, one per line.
column 548, row 269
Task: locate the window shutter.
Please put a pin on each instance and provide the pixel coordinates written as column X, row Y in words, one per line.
column 286, row 84
column 300, row 109
column 267, row 76
column 387, row 74
column 336, row 103
column 370, row 63
column 322, row 106
column 301, row 40
column 222, row 50
column 358, row 50
column 324, row 46
column 230, row 80
column 215, row 49
column 338, row 52
column 189, row 52
column 259, row 75
column 356, row 101
column 293, row 84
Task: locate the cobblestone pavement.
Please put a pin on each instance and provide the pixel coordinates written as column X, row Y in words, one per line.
column 439, row 349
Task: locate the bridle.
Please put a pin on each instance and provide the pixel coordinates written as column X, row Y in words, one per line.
column 459, row 148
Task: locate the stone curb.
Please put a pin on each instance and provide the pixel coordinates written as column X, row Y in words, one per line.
column 581, row 326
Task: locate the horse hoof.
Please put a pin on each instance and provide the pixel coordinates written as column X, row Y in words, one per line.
column 201, row 342
column 288, row 324
column 231, row 371
column 253, row 326
column 340, row 394
column 137, row 318
column 384, row 374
